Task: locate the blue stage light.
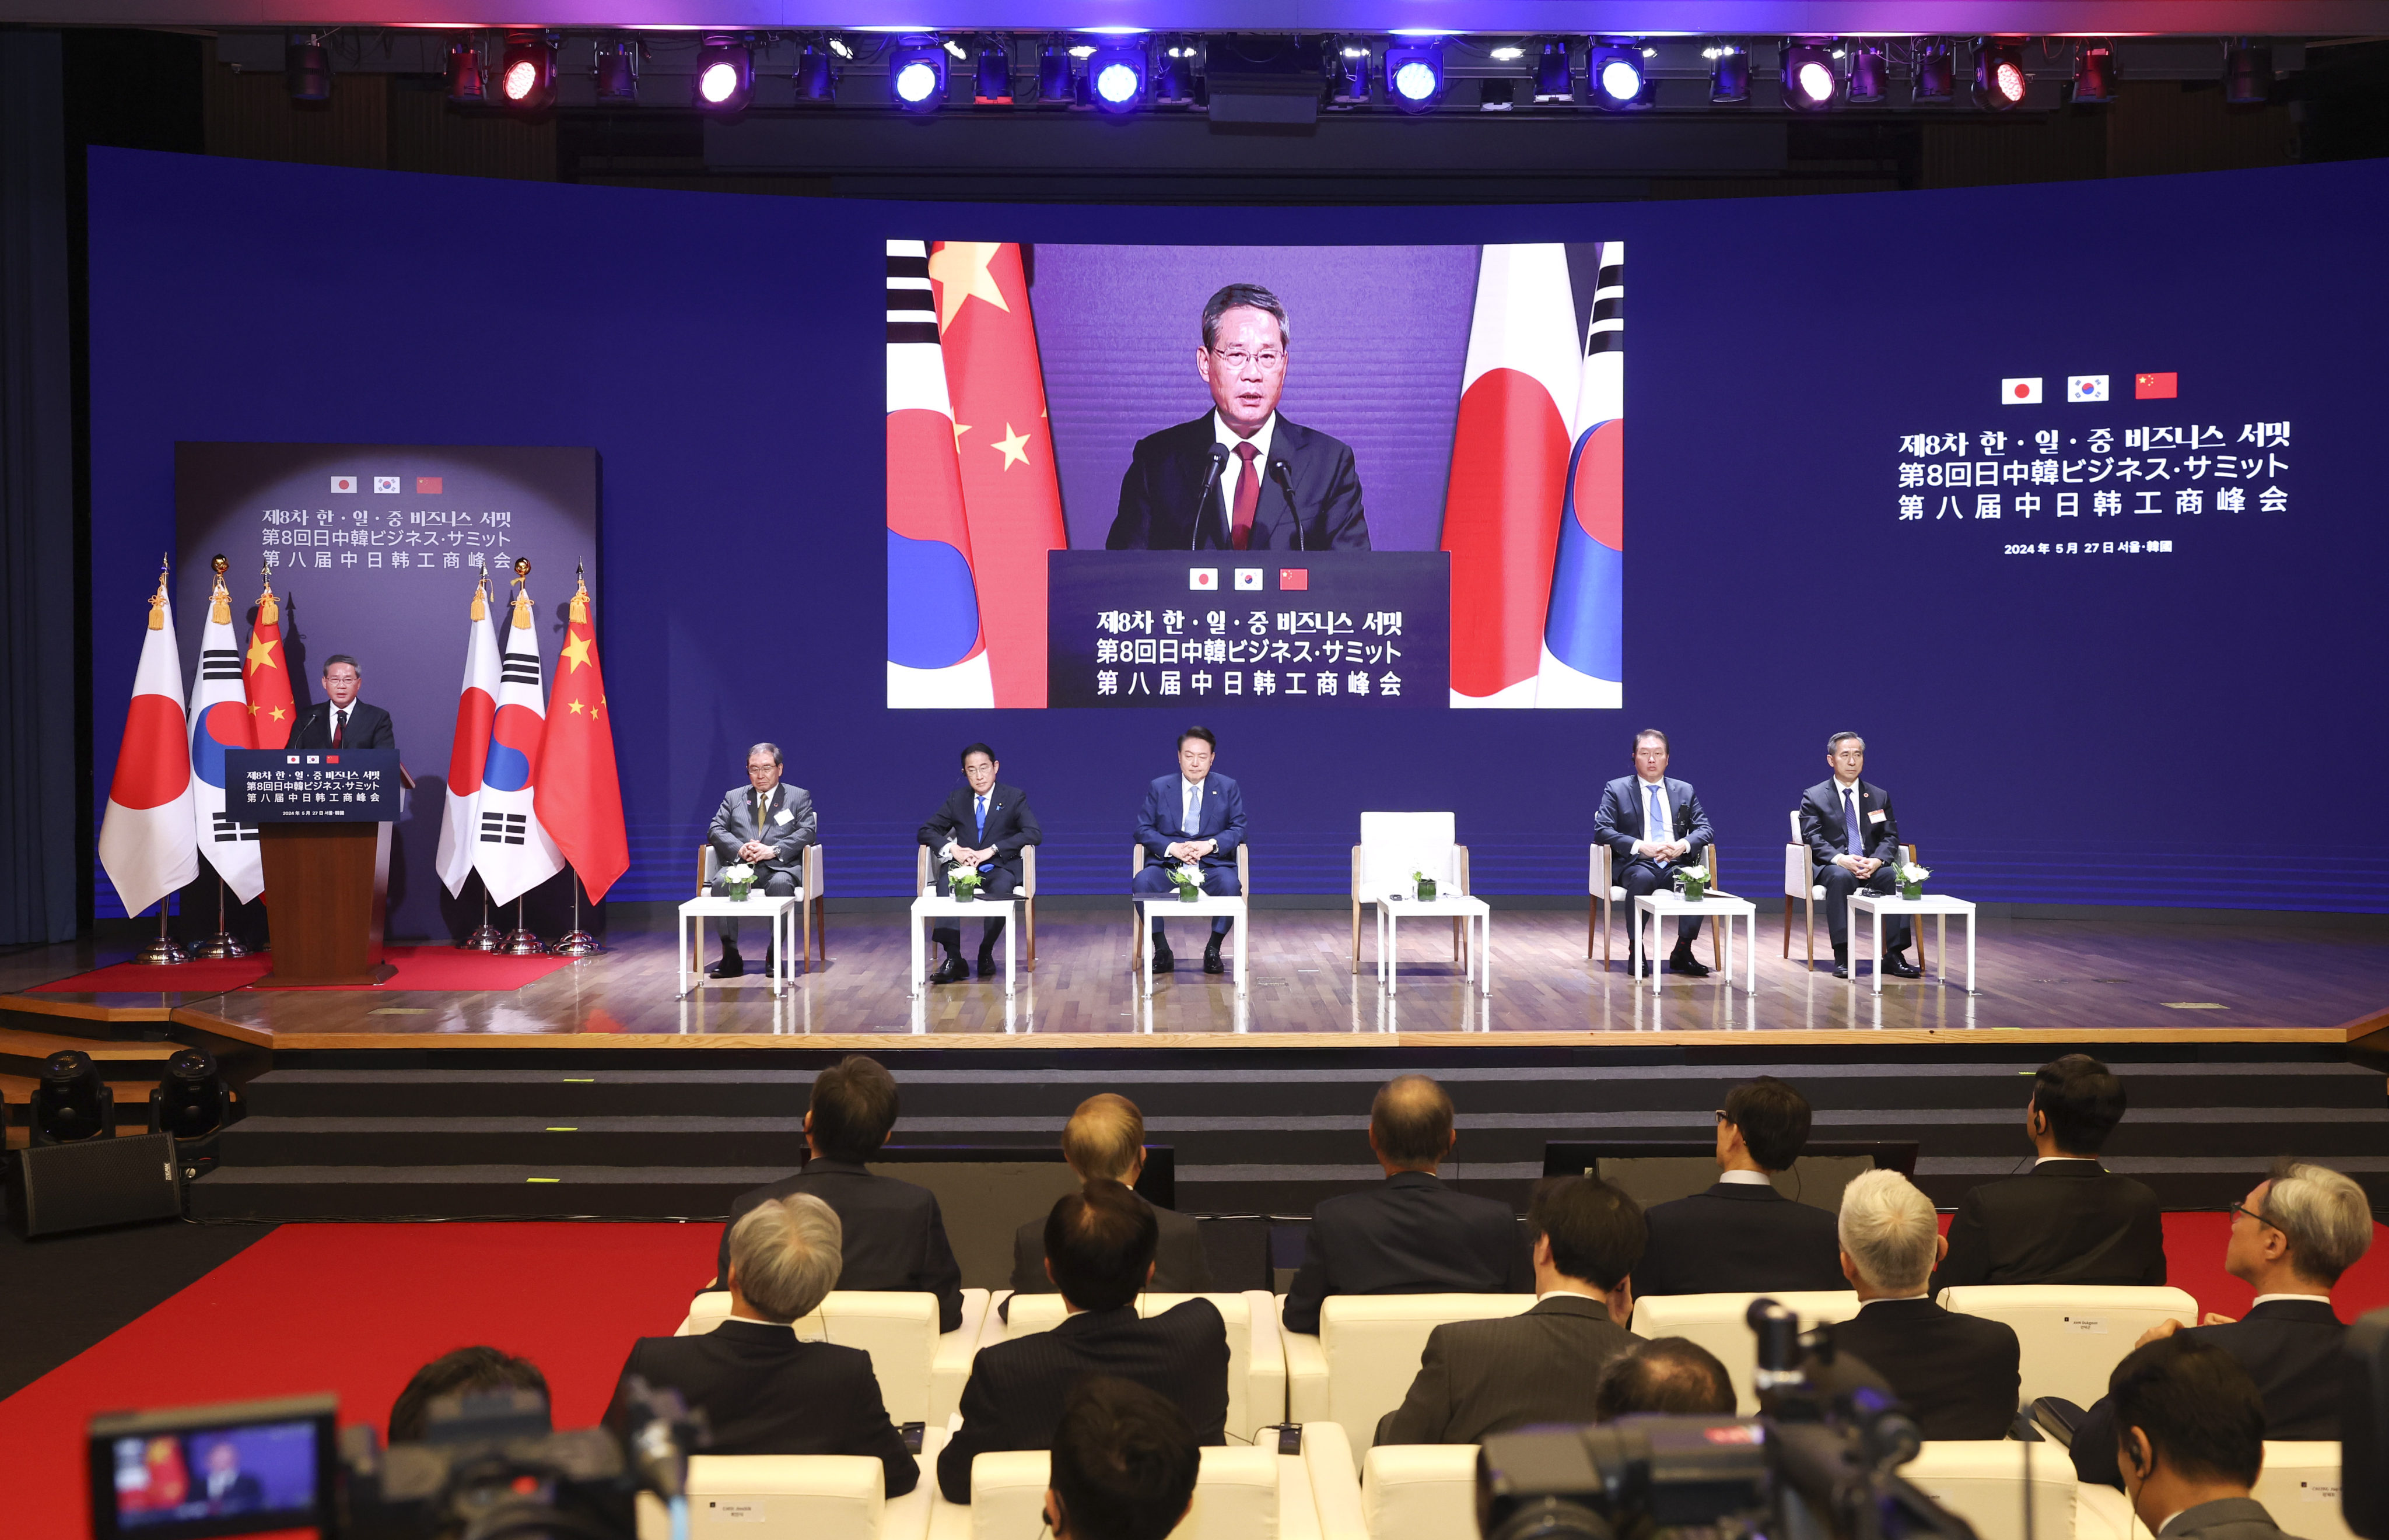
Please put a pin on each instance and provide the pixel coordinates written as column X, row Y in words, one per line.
column 1173, row 74
column 1117, row 74
column 916, row 73
column 618, row 73
column 1347, row 71
column 1936, row 71
column 992, row 85
column 1728, row 72
column 1056, row 73
column 1414, row 75
column 1870, row 73
column 1615, row 72
column 1554, row 79
column 1809, row 79
column 816, row 73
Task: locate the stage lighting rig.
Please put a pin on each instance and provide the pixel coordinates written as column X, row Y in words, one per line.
column 618, row 73
column 526, row 71
column 1809, row 79
column 916, row 73
column 1554, row 73
column 1999, row 78
column 467, row 77
column 1869, row 73
column 1056, row 72
column 724, row 83
column 992, row 79
column 306, row 68
column 816, row 72
column 1936, row 71
column 192, row 1100
column 2247, row 73
column 1115, row 76
column 1414, row 75
column 1347, row 71
column 71, row 1102
column 1173, row 74
column 2094, row 73
column 1728, row 72
column 1616, row 76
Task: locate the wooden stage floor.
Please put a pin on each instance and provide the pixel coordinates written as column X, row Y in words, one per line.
column 2081, row 981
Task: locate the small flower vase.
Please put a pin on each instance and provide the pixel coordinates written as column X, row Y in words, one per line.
column 1911, row 891
column 738, row 892
column 1693, row 889
column 966, row 891
column 1426, row 890
column 1188, row 893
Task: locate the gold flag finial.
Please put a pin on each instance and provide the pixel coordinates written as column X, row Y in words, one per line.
column 523, row 593
column 268, row 612
column 481, row 598
column 220, row 600
column 158, row 600
column 580, row 595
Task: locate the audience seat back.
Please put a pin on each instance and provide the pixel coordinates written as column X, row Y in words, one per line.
column 1256, row 1364
column 797, row 1497
column 2299, row 1486
column 898, row 1330
column 1235, row 1498
column 1419, row 1491
column 1981, row 1481
column 1370, row 1344
column 1719, row 1322
column 2073, row 1336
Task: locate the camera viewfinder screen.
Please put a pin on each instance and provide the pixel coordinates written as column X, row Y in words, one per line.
column 263, row 1469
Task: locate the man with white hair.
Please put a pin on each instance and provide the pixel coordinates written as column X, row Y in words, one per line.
column 765, row 1390
column 1957, row 1374
column 2291, row 1239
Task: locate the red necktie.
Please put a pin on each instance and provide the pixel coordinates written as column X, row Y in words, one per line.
column 1249, row 497
column 339, row 725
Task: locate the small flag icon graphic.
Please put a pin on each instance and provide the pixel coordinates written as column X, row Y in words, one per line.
column 1248, row 579
column 2155, row 388
column 2086, row 388
column 1294, row 578
column 427, row 483
column 344, row 483
column 1205, row 577
column 2021, row 393
column 384, row 484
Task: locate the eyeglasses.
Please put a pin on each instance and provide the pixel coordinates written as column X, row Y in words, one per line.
column 1236, row 359
column 2243, row 1208
column 1721, row 1116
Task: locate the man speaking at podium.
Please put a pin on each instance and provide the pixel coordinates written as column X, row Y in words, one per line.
column 340, row 720
column 1241, row 476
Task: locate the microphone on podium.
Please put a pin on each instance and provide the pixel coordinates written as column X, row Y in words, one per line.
column 1282, row 472
column 1210, row 479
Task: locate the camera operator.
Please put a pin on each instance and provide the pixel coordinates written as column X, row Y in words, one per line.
column 2191, row 1439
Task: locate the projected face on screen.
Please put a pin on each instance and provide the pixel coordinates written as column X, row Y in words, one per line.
column 1243, row 360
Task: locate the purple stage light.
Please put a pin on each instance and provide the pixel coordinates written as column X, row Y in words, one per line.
column 468, row 81
column 1808, row 78
column 1870, row 73
column 1936, row 71
column 618, row 73
column 1728, row 72
column 2094, row 73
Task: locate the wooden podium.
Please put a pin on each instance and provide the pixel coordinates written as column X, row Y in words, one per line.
column 324, row 825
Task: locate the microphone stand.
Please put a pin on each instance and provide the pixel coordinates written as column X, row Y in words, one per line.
column 1282, row 474
column 1203, row 502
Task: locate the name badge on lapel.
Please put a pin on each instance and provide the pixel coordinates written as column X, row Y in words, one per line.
column 1876, row 816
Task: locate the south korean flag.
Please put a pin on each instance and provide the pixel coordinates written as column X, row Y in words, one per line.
column 2086, row 388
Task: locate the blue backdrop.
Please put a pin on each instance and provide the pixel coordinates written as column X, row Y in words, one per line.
column 2198, row 726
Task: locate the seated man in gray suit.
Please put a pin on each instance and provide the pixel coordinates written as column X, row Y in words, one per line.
column 1853, row 838
column 1483, row 1377
column 1105, row 1141
column 2189, row 1436
column 1653, row 826
column 766, row 826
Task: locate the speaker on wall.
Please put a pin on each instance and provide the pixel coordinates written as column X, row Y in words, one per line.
column 56, row 1188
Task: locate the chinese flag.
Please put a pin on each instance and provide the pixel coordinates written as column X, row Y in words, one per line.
column 579, row 798
column 265, row 676
column 1012, row 501
column 2155, row 388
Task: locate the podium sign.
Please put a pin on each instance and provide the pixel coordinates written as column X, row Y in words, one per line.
column 1365, row 631
column 323, row 818
column 335, row 785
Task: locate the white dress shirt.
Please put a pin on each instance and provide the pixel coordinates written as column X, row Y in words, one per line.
column 1229, row 478
column 2267, row 1299
column 1666, row 832
column 1747, row 1178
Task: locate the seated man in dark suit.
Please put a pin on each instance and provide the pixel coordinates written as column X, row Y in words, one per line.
column 1105, row 1141
column 1853, row 838
column 764, row 1390
column 1673, row 1375
column 1483, row 1377
column 1742, row 1235
column 1099, row 1248
column 2291, row 1238
column 895, row 1235
column 2070, row 1220
column 1412, row 1235
column 1957, row 1374
column 1124, row 1464
column 1653, row 827
column 1194, row 818
column 2191, row 1441
column 982, row 824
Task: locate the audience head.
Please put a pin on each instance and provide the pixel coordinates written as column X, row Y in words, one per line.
column 1666, row 1374
column 2187, row 1418
column 785, row 1256
column 2308, row 1222
column 1890, row 1236
column 1099, row 1244
column 853, row 1107
column 463, row 1373
column 1771, row 1119
column 1105, row 1138
column 1124, row 1465
column 1410, row 1123
column 1595, row 1232
column 2076, row 1101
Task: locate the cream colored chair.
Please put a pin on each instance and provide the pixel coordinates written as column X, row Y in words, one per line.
column 1419, row 1491
column 1600, row 907
column 1981, row 1481
column 798, row 1497
column 920, row 1371
column 924, row 885
column 1360, row 1365
column 812, row 912
column 1138, row 856
column 1256, row 1352
column 1800, row 887
column 2299, row 1486
column 1241, row 1493
column 1720, row 1323
column 1395, row 845
column 2072, row 1337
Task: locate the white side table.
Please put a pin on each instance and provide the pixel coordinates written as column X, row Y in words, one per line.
column 1939, row 905
column 688, row 941
column 935, row 906
column 1171, row 906
column 1720, row 909
column 1394, row 908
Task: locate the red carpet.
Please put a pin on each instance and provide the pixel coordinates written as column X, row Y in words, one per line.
column 418, row 968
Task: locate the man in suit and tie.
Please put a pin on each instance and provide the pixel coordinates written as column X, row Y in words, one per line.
column 1193, row 817
column 1241, row 476
column 226, row 1487
column 762, row 1389
column 1959, row 1375
column 1099, row 1245
column 765, row 825
column 985, row 825
column 894, row 1233
column 1483, row 1377
column 339, row 720
column 2291, row 1238
column 1854, row 840
column 2191, row 1442
column 1104, row 1141
column 1653, row 826
column 1742, row 1235
column 1410, row 1234
column 2070, row 1220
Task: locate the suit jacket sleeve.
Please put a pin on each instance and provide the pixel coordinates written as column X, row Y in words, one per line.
column 1132, row 526
column 1029, row 1260
column 1309, row 1290
column 722, row 834
column 1969, row 1260
column 942, row 825
column 1697, row 834
column 1232, row 832
column 1026, row 829
column 1426, row 1412
column 1151, row 831
column 2094, row 1448
column 1821, row 848
column 871, row 1433
column 789, row 838
column 940, row 1274
column 1345, row 526
column 1609, row 825
column 384, row 733
column 974, row 1437
column 618, row 1412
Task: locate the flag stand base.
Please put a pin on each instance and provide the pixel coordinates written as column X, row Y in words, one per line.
column 488, row 938
column 222, row 944
column 577, row 944
column 162, row 952
column 521, row 944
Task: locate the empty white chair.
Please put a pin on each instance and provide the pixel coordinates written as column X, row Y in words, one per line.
column 2073, row 1336
column 1720, row 1323
column 1236, row 1497
column 1982, row 1481
column 920, row 1371
column 1419, row 1491
column 1256, row 1354
column 798, row 1497
column 1392, row 847
column 1360, row 1365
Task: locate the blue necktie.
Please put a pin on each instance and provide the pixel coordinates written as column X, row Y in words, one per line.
column 1853, row 838
column 1655, row 827
column 981, row 805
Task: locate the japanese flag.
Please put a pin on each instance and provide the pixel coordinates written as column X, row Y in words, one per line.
column 344, row 483
column 2021, row 393
column 1205, row 577
column 2086, row 388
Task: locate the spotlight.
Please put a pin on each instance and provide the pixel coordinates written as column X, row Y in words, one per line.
column 1056, row 68
column 841, row 48
column 1936, row 71
column 526, row 71
column 71, row 1101
column 992, row 85
column 1870, row 73
column 1173, row 76
column 2247, row 73
column 1496, row 96
column 725, row 74
column 916, row 73
column 1347, row 71
column 466, row 83
column 306, row 68
column 1414, row 75
column 816, row 73
column 2094, row 73
column 1116, row 73
column 1554, row 81
column 1808, row 81
column 1613, row 73
column 191, row 1101
column 1728, row 72
column 1999, row 79
column 1505, row 52
column 618, row 73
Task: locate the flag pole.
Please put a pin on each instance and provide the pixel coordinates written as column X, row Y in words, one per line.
column 577, row 942
column 487, row 937
column 224, row 944
column 162, row 952
column 519, row 941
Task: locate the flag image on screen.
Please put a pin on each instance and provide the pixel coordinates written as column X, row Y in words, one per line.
column 1583, row 635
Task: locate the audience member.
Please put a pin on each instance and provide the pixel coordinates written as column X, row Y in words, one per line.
column 1124, row 1464
column 895, row 1236
column 1957, row 1374
column 1411, row 1235
column 467, row 1371
column 1673, row 1375
column 2191, row 1441
column 1742, row 1235
column 2291, row 1238
column 2070, row 1220
column 1481, row 1377
column 1099, row 1245
column 1105, row 1138
column 763, row 1390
